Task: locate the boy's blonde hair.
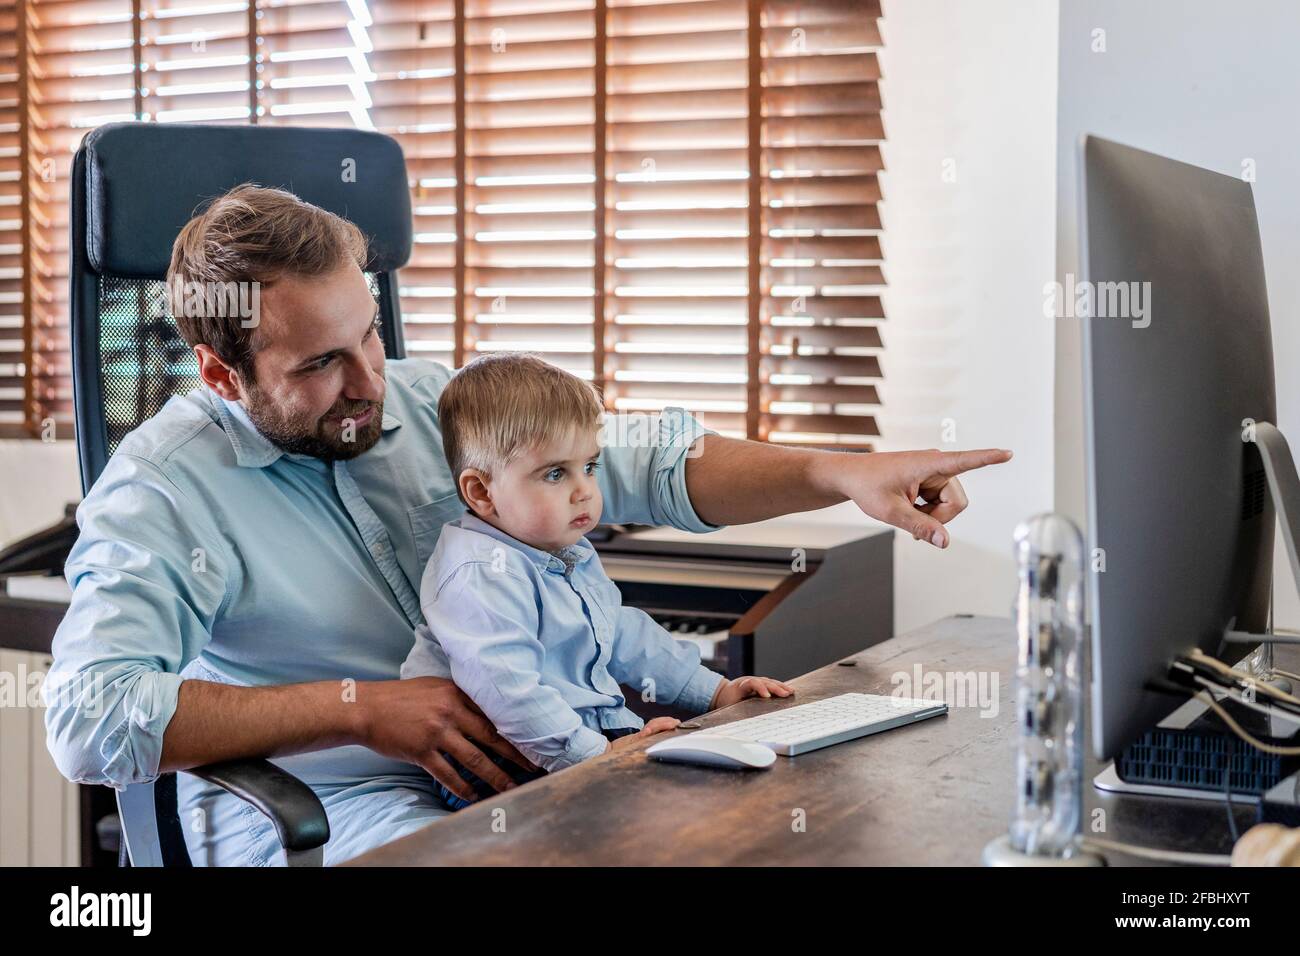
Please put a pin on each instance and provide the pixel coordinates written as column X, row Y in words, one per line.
column 503, row 404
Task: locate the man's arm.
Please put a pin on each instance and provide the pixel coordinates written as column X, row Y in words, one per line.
column 222, row 722
column 413, row 720
column 734, row 482
column 148, row 575
column 670, row 470
column 118, row 711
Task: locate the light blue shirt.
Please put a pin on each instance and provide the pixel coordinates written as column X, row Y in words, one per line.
column 541, row 641
column 205, row 552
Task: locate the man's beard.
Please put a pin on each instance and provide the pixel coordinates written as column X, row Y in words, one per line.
column 299, row 435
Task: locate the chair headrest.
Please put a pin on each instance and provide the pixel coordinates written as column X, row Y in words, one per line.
column 144, row 181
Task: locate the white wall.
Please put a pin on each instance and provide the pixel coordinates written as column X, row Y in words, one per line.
column 1209, row 85
column 965, row 340
column 36, row 480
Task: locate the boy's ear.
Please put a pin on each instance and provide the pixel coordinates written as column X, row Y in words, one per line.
column 474, row 489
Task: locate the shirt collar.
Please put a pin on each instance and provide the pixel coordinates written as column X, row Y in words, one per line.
column 252, row 448
column 579, row 553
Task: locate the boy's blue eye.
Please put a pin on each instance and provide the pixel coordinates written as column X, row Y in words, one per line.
column 592, row 467
column 555, row 474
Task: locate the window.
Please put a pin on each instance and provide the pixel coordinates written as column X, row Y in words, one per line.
column 675, row 200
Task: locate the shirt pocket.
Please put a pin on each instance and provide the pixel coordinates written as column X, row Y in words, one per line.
column 427, row 521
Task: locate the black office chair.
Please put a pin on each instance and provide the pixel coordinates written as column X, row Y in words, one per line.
column 134, row 185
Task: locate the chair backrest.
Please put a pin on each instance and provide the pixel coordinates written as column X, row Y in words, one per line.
column 134, row 185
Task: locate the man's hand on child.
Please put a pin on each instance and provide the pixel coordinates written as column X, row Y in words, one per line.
column 734, row 691
column 657, row 726
column 421, row 718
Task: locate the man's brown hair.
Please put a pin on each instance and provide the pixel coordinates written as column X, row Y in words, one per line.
column 251, row 235
column 505, row 403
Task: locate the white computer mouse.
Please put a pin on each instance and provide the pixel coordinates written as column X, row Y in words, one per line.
column 713, row 751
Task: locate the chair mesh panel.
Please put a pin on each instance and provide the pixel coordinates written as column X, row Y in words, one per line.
column 143, row 359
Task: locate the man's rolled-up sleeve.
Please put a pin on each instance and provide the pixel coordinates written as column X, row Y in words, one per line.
column 149, row 575
column 643, row 478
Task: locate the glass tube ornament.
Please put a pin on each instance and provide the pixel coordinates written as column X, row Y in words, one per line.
column 1048, row 812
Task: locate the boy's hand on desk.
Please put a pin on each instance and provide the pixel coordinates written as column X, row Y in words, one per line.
column 734, row 691
column 657, row 726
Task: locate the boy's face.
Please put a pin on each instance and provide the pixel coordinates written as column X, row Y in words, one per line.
column 548, row 496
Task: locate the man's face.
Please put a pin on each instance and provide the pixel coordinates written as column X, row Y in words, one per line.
column 548, row 496
column 319, row 371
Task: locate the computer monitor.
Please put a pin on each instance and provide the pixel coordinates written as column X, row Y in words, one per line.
column 1177, row 364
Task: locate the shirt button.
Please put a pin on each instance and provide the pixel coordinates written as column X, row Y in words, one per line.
column 377, row 549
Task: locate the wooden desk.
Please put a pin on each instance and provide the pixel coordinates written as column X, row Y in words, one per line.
column 931, row 793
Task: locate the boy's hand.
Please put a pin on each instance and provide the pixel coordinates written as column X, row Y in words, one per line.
column 734, row 691
column 656, row 726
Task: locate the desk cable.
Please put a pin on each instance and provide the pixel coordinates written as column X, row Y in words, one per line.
column 1241, row 732
column 1233, row 679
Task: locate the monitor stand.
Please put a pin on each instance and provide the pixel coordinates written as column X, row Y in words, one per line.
column 1284, row 491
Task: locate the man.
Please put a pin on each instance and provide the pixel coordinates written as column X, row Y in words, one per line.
column 245, row 583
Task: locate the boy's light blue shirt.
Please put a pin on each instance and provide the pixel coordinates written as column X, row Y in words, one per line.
column 205, row 552
column 541, row 642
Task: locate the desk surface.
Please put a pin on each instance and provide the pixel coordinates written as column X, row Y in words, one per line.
column 930, row 793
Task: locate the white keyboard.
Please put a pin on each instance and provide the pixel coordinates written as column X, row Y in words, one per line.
column 797, row 730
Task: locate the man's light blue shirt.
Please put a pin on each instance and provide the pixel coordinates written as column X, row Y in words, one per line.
column 205, row 552
column 541, row 642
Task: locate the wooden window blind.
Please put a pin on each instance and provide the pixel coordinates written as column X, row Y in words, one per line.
column 678, row 232
column 530, row 181
column 416, row 60
column 14, row 358
column 675, row 200
column 77, row 71
column 819, row 295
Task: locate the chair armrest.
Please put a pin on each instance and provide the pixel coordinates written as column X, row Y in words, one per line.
column 289, row 803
